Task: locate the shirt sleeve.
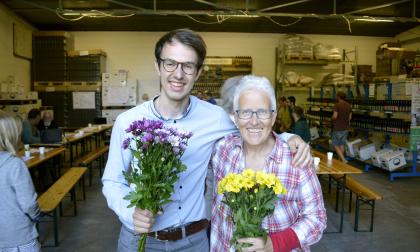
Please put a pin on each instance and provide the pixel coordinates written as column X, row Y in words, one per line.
column 285, row 136
column 25, row 192
column 312, row 219
column 284, row 241
column 115, row 186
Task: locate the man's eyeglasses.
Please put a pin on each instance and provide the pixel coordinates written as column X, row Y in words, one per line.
column 260, row 113
column 171, row 65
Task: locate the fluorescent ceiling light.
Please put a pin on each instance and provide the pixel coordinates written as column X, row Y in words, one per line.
column 243, row 15
column 84, row 13
column 371, row 19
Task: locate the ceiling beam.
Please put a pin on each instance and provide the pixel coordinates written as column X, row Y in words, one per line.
column 129, row 5
column 377, row 7
column 237, row 13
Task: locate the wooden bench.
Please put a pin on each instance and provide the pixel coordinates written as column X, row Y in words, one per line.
column 364, row 195
column 53, row 197
column 88, row 159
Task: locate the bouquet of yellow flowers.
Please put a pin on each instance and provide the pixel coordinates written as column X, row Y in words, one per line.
column 251, row 196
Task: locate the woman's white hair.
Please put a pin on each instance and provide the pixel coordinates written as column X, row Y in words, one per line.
column 227, row 92
column 10, row 129
column 252, row 82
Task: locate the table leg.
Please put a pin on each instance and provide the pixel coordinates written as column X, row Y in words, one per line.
column 343, row 201
column 71, row 155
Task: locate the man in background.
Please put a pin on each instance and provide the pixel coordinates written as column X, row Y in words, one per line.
column 47, row 121
column 291, row 101
column 30, row 133
column 341, row 119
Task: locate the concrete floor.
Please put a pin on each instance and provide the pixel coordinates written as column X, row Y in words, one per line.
column 396, row 226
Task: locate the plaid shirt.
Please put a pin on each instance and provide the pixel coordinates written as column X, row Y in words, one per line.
column 301, row 209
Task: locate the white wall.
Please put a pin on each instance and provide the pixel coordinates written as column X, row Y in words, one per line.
column 9, row 64
column 134, row 50
column 410, row 39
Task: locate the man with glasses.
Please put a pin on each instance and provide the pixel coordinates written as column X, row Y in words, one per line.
column 182, row 224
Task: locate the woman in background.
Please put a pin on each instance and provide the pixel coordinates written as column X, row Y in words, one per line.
column 19, row 210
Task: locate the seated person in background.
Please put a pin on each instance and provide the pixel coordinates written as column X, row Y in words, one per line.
column 19, row 209
column 300, row 127
column 291, row 102
column 47, row 121
column 30, row 133
column 299, row 217
column 209, row 97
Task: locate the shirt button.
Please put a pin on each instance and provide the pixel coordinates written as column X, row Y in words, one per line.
column 179, row 208
column 180, row 187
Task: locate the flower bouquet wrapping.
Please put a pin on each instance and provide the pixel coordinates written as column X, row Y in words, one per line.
column 155, row 166
column 251, row 196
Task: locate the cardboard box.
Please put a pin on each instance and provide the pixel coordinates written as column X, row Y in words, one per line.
column 393, row 160
column 366, row 151
column 376, row 157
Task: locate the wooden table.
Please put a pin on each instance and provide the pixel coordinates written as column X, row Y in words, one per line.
column 51, row 154
column 74, row 139
column 38, row 159
column 339, row 168
column 98, row 130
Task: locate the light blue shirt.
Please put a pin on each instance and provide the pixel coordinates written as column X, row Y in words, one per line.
column 208, row 123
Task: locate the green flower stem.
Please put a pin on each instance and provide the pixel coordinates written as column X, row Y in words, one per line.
column 142, row 243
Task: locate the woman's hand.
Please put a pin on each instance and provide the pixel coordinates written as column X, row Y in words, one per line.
column 257, row 244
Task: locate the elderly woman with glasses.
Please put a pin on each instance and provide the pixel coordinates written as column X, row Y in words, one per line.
column 299, row 217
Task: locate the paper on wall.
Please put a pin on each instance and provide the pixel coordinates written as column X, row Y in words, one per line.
column 117, row 95
column 83, row 100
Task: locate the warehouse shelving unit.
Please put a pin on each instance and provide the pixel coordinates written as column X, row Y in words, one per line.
column 365, row 107
column 306, row 64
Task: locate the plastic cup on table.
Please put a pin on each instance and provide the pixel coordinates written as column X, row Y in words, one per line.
column 26, row 147
column 330, row 156
column 317, row 160
column 41, row 150
column 27, row 153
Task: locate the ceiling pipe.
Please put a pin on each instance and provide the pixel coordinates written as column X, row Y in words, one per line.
column 215, row 5
column 282, row 5
column 377, row 7
column 129, row 5
column 414, row 9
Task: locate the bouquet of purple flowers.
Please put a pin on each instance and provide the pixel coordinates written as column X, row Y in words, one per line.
column 155, row 166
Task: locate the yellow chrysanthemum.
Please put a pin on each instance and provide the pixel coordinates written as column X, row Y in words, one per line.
column 279, row 189
column 248, row 173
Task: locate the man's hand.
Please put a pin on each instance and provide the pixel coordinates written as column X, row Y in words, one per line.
column 257, row 244
column 301, row 150
column 143, row 220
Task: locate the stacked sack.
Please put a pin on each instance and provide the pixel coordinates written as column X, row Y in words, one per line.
column 292, row 79
column 326, row 52
column 297, row 47
column 337, row 79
